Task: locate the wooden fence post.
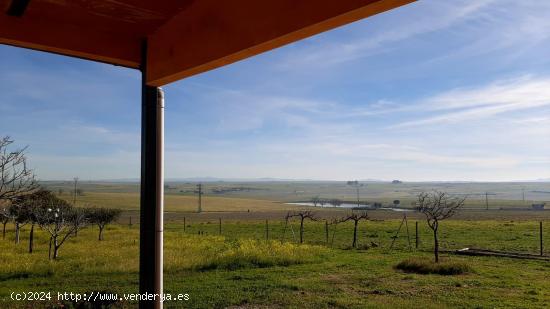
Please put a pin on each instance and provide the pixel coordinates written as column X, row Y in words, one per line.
column 266, row 230
column 326, row 231
column 184, row 225
column 408, row 235
column 220, row 226
column 540, row 235
column 416, row 234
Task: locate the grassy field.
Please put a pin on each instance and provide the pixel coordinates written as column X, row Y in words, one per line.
column 240, row 268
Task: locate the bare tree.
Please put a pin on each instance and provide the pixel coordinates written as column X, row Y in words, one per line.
column 20, row 216
column 79, row 218
column 102, row 217
column 304, row 214
column 58, row 219
column 437, row 206
column 29, row 206
column 15, row 178
column 355, row 217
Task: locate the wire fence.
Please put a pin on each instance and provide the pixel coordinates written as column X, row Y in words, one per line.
column 513, row 236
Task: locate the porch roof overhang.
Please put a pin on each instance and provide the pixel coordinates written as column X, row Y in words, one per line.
column 184, row 37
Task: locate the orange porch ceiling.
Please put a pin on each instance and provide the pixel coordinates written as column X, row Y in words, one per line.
column 185, row 37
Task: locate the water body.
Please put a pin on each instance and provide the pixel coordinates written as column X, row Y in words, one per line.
column 349, row 205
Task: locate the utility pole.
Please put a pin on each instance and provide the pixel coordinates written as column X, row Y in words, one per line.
column 199, row 192
column 74, row 193
column 357, row 187
column 356, row 184
column 486, row 200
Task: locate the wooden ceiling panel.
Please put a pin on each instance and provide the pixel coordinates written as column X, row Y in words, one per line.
column 185, row 37
column 212, row 33
column 137, row 18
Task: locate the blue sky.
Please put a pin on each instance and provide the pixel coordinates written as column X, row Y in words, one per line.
column 436, row 90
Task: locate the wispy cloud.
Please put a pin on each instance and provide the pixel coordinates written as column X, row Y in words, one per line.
column 400, row 25
column 461, row 105
column 512, row 26
column 420, row 93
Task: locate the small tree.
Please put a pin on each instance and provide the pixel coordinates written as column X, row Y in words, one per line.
column 438, row 206
column 304, row 214
column 58, row 219
column 355, row 217
column 79, row 218
column 315, row 200
column 29, row 206
column 102, row 217
column 5, row 218
column 20, row 215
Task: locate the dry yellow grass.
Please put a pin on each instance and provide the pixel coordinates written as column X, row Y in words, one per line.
column 130, row 201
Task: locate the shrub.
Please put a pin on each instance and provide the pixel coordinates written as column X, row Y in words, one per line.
column 421, row 266
column 252, row 253
column 217, row 252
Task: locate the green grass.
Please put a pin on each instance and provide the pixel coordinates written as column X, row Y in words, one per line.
column 521, row 236
column 423, row 266
column 217, row 252
column 241, row 268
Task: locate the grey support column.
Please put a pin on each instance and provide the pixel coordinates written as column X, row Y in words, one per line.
column 152, row 196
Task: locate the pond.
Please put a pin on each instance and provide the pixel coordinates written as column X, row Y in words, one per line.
column 349, row 205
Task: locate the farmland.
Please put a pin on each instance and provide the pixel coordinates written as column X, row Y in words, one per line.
column 181, row 196
column 314, row 276
column 249, row 268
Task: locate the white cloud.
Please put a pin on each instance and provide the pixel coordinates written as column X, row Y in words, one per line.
column 463, row 105
column 401, row 24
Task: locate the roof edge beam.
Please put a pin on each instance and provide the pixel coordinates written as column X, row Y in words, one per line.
column 70, row 40
column 212, row 33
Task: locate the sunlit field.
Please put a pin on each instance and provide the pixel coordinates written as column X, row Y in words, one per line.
column 130, row 201
column 248, row 267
